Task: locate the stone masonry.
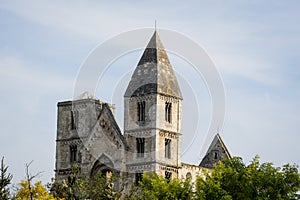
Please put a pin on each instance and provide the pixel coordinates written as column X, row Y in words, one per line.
column 88, row 135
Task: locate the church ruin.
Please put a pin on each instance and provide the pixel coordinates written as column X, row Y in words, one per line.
column 89, row 136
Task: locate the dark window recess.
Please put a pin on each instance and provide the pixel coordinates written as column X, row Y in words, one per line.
column 138, row 178
column 168, row 112
column 141, row 111
column 73, row 153
column 71, row 180
column 216, row 155
column 168, row 175
column 168, row 148
column 74, row 119
column 188, row 175
column 140, row 147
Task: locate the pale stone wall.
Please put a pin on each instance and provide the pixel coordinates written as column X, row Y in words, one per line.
column 134, row 129
column 162, row 168
column 166, row 130
column 175, row 125
column 89, row 131
column 155, row 129
column 191, row 170
column 99, row 140
column 104, row 140
column 175, row 148
column 130, row 113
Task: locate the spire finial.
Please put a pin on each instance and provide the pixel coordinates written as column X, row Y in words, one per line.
column 155, row 24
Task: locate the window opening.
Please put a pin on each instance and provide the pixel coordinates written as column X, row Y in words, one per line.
column 140, row 147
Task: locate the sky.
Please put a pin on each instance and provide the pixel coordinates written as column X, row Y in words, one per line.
column 255, row 46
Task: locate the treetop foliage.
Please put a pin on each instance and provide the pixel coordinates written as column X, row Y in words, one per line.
column 229, row 180
column 235, row 180
column 5, row 180
column 37, row 191
column 78, row 187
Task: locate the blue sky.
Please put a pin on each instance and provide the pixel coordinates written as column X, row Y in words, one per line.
column 254, row 44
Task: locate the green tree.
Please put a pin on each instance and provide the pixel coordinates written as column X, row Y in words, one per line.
column 73, row 188
column 156, row 187
column 5, row 180
column 29, row 191
column 229, row 180
column 78, row 187
column 233, row 179
column 36, row 191
column 103, row 187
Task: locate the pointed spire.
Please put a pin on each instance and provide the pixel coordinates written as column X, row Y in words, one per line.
column 154, row 73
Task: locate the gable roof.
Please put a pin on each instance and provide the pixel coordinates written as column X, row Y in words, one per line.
column 216, row 152
column 105, row 110
column 218, row 141
column 154, row 73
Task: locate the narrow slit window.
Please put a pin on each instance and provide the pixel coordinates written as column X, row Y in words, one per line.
column 73, row 153
column 140, row 147
column 138, row 178
column 168, row 148
column 74, row 119
column 216, row 155
column 168, row 112
column 141, row 111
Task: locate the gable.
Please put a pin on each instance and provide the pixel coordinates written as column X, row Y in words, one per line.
column 106, row 124
column 216, row 152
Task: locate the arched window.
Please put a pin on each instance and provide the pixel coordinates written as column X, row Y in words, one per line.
column 168, row 112
column 188, row 175
column 141, row 111
column 168, row 174
column 104, row 166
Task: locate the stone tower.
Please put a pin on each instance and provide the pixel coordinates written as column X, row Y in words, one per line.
column 88, row 136
column 152, row 114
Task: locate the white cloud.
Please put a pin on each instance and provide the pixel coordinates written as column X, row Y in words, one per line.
column 16, row 74
column 95, row 21
column 90, row 21
column 27, row 86
column 250, row 67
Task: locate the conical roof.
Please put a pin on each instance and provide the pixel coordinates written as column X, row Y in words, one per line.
column 154, row 73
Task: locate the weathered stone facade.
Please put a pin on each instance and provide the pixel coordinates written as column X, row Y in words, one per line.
column 216, row 151
column 88, row 135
